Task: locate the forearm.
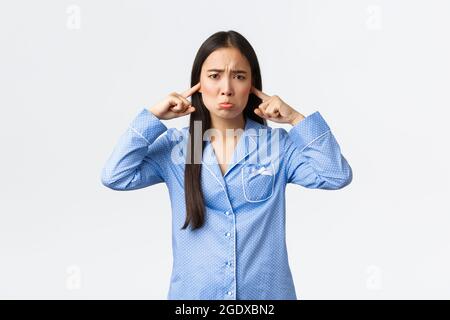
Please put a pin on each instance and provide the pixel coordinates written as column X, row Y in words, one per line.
column 297, row 118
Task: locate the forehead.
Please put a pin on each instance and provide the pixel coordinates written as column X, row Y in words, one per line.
column 226, row 58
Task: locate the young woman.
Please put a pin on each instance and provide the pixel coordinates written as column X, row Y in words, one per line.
column 226, row 174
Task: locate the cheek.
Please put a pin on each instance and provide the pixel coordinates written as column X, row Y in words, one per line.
column 244, row 91
column 209, row 93
column 208, row 88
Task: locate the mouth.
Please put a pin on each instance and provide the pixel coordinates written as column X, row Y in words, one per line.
column 226, row 105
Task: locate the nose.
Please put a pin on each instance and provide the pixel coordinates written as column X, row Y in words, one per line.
column 226, row 89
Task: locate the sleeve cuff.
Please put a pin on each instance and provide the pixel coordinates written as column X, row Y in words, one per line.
column 309, row 129
column 147, row 125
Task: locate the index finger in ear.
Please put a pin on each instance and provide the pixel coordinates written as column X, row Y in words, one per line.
column 191, row 91
column 260, row 94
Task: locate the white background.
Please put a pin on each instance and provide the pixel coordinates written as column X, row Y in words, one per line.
column 73, row 74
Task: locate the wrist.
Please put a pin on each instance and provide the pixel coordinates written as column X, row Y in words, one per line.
column 154, row 113
column 297, row 118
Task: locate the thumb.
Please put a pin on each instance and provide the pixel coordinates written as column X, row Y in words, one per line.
column 258, row 112
column 188, row 110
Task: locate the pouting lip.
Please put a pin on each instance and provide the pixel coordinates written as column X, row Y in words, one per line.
column 228, row 103
column 225, row 105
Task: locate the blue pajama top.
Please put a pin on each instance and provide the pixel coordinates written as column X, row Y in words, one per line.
column 240, row 251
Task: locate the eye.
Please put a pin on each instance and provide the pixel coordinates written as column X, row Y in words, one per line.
column 214, row 74
column 243, row 78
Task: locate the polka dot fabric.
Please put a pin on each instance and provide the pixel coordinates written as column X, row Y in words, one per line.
column 240, row 252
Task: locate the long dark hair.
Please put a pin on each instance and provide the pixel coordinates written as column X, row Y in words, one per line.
column 195, row 207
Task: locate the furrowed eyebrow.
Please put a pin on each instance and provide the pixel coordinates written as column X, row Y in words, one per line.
column 232, row 71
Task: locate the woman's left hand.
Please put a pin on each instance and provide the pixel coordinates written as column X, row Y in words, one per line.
column 274, row 109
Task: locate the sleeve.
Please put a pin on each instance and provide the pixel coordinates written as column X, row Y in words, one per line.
column 314, row 158
column 139, row 157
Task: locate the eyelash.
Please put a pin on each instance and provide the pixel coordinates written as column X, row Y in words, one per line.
column 216, row 74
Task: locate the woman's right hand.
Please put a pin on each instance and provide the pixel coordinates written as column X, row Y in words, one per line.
column 175, row 105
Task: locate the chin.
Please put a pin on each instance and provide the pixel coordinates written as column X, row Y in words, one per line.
column 227, row 114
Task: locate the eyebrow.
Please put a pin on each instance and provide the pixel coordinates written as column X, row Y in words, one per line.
column 232, row 71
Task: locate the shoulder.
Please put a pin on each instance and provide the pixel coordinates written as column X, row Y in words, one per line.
column 172, row 135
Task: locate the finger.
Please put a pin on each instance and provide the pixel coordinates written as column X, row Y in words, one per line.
column 263, row 106
column 272, row 114
column 272, row 111
column 260, row 94
column 178, row 105
column 260, row 113
column 188, row 111
column 186, row 102
column 191, row 91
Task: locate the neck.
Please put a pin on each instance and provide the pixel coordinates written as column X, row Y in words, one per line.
column 223, row 125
